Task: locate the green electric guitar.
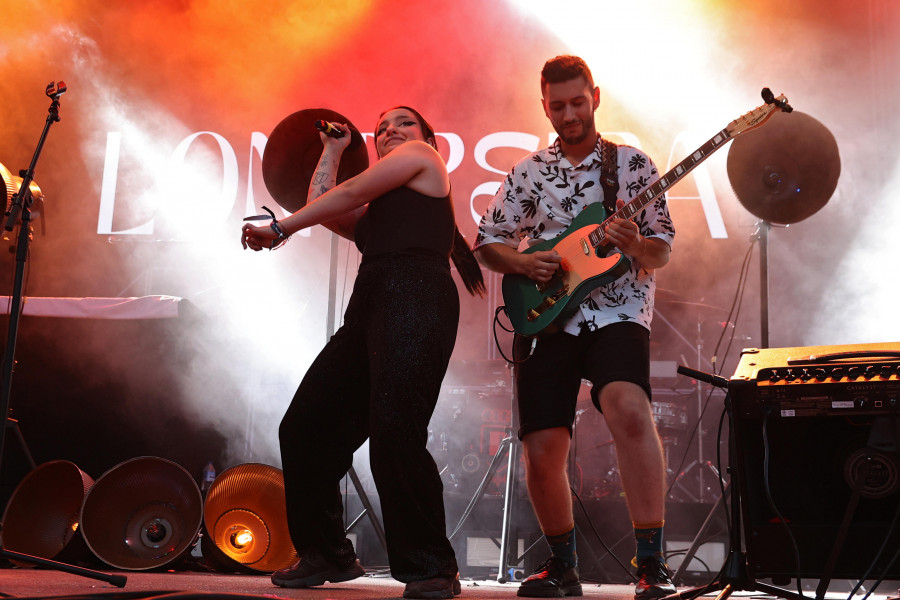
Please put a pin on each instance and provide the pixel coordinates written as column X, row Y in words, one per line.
column 587, row 261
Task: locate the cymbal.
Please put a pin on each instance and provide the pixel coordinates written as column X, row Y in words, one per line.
column 786, row 170
column 293, row 150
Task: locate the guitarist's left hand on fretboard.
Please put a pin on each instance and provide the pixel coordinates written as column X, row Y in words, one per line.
column 625, row 235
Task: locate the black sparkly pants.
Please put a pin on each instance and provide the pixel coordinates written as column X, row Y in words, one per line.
column 379, row 377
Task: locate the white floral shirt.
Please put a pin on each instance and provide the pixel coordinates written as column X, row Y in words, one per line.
column 541, row 196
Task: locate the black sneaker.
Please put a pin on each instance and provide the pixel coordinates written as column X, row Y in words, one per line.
column 553, row 579
column 312, row 570
column 654, row 579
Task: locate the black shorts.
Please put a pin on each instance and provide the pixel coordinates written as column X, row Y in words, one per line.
column 548, row 381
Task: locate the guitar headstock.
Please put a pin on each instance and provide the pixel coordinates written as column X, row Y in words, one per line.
column 758, row 115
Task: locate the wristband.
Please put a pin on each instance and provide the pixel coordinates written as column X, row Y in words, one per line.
column 277, row 229
column 281, row 239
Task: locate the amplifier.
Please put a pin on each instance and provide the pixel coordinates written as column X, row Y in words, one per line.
column 817, row 447
column 857, row 379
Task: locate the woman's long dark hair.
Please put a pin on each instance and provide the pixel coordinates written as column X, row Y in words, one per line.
column 463, row 259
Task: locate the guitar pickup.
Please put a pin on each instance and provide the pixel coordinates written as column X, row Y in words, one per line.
column 585, row 247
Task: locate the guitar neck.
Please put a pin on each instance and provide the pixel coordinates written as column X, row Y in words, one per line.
column 658, row 187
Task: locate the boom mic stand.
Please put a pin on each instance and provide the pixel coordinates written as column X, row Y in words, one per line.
column 733, row 576
column 21, row 203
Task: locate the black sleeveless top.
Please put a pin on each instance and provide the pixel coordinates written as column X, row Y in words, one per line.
column 404, row 219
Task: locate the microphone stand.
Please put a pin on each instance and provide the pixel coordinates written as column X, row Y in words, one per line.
column 21, row 203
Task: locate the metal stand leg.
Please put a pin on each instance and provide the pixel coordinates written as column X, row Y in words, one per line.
column 367, row 509
column 698, row 539
column 700, row 466
column 13, row 425
column 509, row 448
column 508, row 496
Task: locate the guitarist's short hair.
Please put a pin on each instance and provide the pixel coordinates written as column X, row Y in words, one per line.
column 564, row 68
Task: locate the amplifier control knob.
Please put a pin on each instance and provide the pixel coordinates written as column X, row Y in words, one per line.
column 837, row 374
column 854, row 373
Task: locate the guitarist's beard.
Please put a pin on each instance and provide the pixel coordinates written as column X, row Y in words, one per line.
column 573, row 139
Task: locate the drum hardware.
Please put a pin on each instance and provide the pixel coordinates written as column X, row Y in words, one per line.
column 674, row 416
column 508, row 448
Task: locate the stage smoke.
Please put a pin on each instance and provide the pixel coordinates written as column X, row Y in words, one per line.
column 246, row 519
column 142, row 514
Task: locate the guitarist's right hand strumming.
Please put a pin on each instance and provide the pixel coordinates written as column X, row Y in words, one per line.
column 538, row 266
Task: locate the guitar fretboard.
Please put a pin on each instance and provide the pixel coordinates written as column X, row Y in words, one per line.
column 658, row 187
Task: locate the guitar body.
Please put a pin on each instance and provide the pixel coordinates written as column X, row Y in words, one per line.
column 534, row 308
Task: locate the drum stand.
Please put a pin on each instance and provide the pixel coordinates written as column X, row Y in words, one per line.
column 509, row 449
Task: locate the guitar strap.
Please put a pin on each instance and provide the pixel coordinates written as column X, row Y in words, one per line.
column 609, row 177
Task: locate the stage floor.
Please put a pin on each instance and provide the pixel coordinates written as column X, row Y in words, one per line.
column 43, row 583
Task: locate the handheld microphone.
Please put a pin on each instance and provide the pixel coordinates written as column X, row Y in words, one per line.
column 328, row 129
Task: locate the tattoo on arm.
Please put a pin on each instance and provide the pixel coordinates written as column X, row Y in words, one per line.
column 323, row 189
column 323, row 162
column 320, row 177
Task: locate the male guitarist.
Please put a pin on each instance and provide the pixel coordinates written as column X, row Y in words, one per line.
column 604, row 338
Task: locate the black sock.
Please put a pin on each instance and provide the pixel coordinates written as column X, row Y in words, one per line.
column 563, row 547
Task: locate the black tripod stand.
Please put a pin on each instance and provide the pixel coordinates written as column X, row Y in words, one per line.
column 508, row 448
column 21, row 203
column 733, row 576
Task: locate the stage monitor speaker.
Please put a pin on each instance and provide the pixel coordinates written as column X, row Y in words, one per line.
column 819, row 427
column 142, row 514
column 42, row 516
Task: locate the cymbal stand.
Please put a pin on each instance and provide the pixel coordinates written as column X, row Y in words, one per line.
column 700, row 461
column 733, row 576
column 508, row 448
column 21, row 204
column 762, row 235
